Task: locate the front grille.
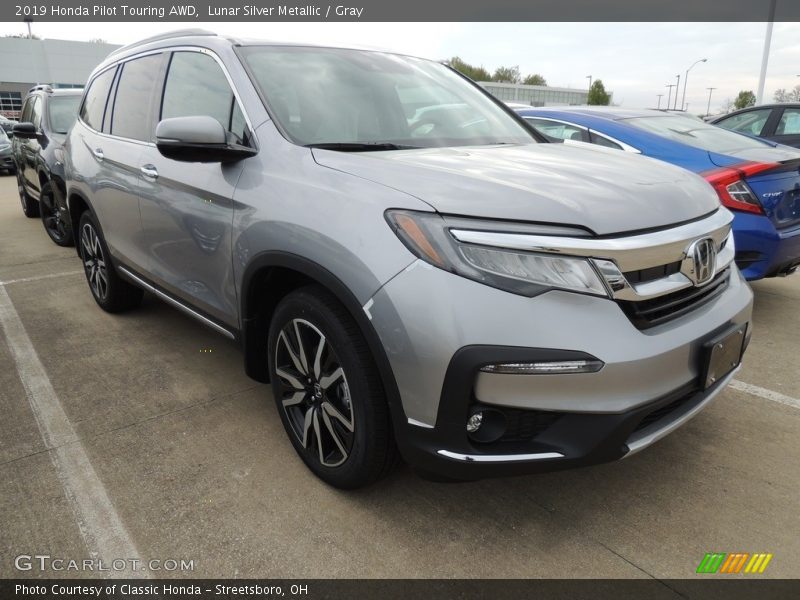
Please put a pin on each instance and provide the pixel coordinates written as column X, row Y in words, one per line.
column 653, row 273
column 649, row 313
column 524, row 425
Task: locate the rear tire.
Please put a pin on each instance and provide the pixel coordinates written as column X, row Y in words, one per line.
column 328, row 391
column 112, row 293
column 30, row 207
column 54, row 218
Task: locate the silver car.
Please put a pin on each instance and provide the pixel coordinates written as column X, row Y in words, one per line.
column 412, row 269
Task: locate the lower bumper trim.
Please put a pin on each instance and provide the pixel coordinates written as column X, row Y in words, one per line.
column 499, row 458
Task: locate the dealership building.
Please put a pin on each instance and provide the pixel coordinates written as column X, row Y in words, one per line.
column 59, row 63
column 535, row 95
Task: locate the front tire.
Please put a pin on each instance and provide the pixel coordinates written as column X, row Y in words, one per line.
column 30, row 207
column 54, row 218
column 111, row 293
column 328, row 391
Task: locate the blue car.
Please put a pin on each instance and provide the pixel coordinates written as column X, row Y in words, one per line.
column 756, row 179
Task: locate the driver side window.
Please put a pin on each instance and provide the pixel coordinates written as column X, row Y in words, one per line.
column 197, row 86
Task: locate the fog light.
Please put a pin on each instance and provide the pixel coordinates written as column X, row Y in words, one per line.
column 474, row 422
column 545, row 367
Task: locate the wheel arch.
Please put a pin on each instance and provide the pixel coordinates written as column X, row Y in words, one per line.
column 271, row 275
column 77, row 204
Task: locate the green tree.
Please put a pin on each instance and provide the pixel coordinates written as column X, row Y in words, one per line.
column 534, row 79
column 598, row 94
column 507, row 75
column 474, row 73
column 744, row 99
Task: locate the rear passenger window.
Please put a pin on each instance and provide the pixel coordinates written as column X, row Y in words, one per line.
column 94, row 105
column 130, row 117
column 195, row 86
column 599, row 140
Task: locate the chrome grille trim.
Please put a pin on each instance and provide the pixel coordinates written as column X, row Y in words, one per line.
column 629, row 253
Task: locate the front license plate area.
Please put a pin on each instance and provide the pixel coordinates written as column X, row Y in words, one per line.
column 722, row 355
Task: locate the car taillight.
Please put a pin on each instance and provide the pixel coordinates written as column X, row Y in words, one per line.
column 733, row 191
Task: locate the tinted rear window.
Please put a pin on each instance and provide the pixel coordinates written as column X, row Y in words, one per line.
column 695, row 133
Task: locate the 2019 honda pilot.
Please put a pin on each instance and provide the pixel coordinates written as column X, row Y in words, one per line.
column 402, row 258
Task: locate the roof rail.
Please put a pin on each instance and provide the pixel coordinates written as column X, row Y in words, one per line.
column 164, row 36
column 44, row 87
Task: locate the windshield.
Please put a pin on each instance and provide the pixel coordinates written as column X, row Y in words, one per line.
column 326, row 96
column 698, row 134
column 63, row 112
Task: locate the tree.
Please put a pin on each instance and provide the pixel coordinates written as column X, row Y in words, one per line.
column 507, row 75
column 598, row 94
column 474, row 73
column 782, row 95
column 534, row 79
column 744, row 99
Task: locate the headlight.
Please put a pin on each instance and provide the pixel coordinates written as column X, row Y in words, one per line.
column 427, row 235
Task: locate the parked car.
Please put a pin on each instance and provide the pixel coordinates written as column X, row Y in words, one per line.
column 7, row 125
column 758, row 180
column 47, row 115
column 484, row 303
column 777, row 122
column 6, row 154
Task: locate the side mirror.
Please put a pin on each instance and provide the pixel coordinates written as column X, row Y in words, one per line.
column 24, row 130
column 197, row 139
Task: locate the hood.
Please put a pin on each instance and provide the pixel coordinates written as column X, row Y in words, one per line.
column 606, row 191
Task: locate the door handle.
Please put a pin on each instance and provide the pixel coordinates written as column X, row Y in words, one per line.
column 149, row 171
column 98, row 153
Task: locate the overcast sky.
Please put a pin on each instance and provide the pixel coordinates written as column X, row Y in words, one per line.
column 635, row 60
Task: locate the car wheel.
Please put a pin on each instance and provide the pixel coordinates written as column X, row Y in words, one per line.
column 54, row 218
column 30, row 207
column 328, row 391
column 112, row 293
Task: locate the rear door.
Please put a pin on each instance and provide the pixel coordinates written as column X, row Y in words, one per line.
column 187, row 208
column 116, row 152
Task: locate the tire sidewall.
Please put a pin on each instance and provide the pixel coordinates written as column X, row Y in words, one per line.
column 88, row 218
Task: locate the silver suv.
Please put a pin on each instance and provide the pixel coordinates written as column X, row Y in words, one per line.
column 415, row 273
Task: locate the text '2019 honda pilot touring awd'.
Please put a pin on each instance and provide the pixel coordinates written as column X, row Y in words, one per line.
column 402, row 259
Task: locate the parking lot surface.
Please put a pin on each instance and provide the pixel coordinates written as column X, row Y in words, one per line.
column 139, row 433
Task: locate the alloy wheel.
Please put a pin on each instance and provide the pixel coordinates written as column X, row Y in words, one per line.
column 314, row 393
column 94, row 261
column 53, row 217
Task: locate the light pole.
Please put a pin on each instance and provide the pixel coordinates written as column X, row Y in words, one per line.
column 677, row 89
column 660, row 96
column 589, row 77
column 669, row 96
column 708, row 108
column 686, row 79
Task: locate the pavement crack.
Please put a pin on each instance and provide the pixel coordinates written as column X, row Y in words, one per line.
column 634, row 565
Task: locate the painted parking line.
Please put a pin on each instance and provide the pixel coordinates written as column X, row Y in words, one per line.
column 101, row 528
column 755, row 390
column 39, row 277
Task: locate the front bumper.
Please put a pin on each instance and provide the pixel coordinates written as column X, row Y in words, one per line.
column 438, row 329
column 7, row 160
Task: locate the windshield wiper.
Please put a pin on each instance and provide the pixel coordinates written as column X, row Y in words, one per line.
column 360, row 146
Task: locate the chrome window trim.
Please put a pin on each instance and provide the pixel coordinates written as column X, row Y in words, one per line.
column 623, row 146
column 198, row 49
column 629, row 253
